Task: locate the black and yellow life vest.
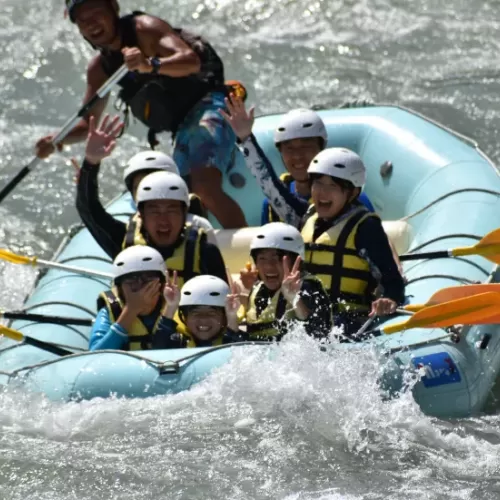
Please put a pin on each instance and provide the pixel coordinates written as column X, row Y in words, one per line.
column 159, row 101
column 334, row 259
column 139, row 337
column 186, row 257
column 265, row 324
column 287, row 180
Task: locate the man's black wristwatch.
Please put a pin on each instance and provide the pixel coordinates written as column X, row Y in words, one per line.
column 155, row 65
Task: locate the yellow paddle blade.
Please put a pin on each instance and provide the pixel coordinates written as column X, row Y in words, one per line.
column 478, row 309
column 488, row 247
column 12, row 334
column 15, row 258
column 455, row 292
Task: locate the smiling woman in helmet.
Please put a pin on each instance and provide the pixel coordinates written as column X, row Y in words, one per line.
column 132, row 314
column 346, row 246
column 208, row 311
column 284, row 291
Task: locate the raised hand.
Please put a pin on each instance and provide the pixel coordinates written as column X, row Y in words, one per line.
column 248, row 275
column 237, row 116
column 292, row 281
column 232, row 305
column 172, row 295
column 102, row 141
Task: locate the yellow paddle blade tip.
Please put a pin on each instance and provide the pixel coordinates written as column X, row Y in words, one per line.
column 15, row 258
column 11, row 334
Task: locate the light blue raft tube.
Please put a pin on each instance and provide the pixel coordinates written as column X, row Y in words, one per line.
column 439, row 187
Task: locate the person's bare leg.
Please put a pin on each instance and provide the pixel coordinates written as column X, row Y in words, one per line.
column 206, row 182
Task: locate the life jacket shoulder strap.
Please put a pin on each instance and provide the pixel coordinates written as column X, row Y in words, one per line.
column 109, row 300
column 131, row 229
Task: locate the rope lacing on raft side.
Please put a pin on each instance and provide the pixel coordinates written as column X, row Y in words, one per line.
column 162, row 366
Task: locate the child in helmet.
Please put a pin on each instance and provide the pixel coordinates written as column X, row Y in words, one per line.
column 208, row 310
column 284, row 291
column 346, row 246
column 132, row 314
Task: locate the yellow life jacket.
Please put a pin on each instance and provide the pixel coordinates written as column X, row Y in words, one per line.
column 186, row 257
column 334, row 259
column 139, row 338
column 272, row 216
column 266, row 323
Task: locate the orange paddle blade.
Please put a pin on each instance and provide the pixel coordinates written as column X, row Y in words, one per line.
column 455, row 292
column 478, row 309
column 488, row 247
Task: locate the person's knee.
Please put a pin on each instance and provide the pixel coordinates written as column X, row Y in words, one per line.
column 206, row 183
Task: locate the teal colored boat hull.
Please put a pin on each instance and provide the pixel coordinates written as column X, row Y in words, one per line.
column 443, row 185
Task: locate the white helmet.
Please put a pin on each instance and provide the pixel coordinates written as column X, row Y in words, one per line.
column 341, row 163
column 300, row 124
column 162, row 186
column 136, row 259
column 204, row 291
column 279, row 236
column 148, row 160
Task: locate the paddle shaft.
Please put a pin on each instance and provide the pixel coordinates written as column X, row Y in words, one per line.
column 43, row 318
column 66, row 129
column 428, row 255
column 78, row 270
column 45, row 346
column 40, row 344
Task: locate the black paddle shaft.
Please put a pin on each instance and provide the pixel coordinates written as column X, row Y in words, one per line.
column 66, row 129
column 46, row 346
column 42, row 318
column 429, row 255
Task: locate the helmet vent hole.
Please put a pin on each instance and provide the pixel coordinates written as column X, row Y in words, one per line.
column 146, row 188
column 214, row 294
column 146, row 259
column 260, row 236
column 150, row 158
column 118, row 264
column 187, row 293
column 281, row 129
column 307, row 125
column 174, row 188
column 339, row 165
column 288, row 238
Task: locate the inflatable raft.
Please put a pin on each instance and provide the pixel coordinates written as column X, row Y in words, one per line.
column 434, row 190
